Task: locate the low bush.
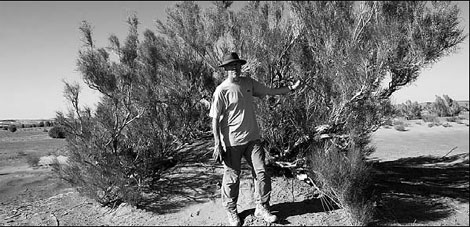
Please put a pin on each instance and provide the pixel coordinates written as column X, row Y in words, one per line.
column 400, row 128
column 409, row 110
column 388, row 122
column 344, row 178
column 33, row 160
column 452, row 119
column 430, row 118
column 57, row 132
column 41, row 124
column 399, row 122
column 400, row 125
column 446, row 125
column 12, row 128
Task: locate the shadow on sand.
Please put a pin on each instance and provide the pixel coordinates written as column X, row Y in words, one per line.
column 289, row 209
column 193, row 180
column 413, row 190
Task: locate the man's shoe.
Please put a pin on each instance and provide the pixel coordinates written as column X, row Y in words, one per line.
column 263, row 212
column 233, row 218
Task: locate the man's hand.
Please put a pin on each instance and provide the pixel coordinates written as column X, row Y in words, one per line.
column 217, row 155
column 295, row 85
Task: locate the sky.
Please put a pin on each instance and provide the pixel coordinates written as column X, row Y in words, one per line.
column 39, row 44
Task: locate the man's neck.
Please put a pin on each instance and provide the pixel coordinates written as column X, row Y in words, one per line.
column 234, row 80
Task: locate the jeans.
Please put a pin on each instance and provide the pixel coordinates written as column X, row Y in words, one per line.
column 254, row 155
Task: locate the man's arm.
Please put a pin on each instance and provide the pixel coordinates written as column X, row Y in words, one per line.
column 216, row 130
column 283, row 90
column 217, row 155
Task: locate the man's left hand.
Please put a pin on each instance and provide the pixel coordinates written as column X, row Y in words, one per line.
column 295, row 85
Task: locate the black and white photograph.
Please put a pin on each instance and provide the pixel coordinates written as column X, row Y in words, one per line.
column 234, row 113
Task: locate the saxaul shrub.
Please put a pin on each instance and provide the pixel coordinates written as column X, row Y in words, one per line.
column 57, row 132
column 344, row 177
column 410, row 110
column 342, row 64
column 445, row 107
column 12, row 128
column 150, row 107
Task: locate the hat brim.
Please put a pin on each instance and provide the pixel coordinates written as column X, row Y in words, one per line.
column 241, row 61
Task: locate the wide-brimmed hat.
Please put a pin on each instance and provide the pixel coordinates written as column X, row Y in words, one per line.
column 231, row 58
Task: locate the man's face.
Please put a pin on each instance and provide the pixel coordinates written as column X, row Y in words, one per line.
column 234, row 70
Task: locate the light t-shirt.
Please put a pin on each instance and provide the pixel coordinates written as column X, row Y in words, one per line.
column 234, row 103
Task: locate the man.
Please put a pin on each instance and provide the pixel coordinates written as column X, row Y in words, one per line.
column 236, row 134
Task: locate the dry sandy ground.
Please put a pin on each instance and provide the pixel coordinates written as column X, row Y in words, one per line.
column 418, row 186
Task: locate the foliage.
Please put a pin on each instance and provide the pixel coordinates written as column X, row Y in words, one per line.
column 445, row 107
column 400, row 128
column 430, row 118
column 33, row 160
column 343, row 176
column 343, row 52
column 410, row 110
column 57, row 132
column 153, row 102
column 12, row 128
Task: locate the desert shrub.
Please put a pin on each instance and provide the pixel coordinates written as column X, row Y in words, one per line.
column 430, row 125
column 5, row 127
column 324, row 57
column 344, row 177
column 445, row 107
column 118, row 153
column 41, row 124
column 33, row 160
column 409, row 110
column 388, row 122
column 446, row 125
column 159, row 80
column 399, row 125
column 400, row 128
column 400, row 122
column 48, row 124
column 22, row 126
column 57, row 132
column 430, row 118
column 453, row 119
column 12, row 128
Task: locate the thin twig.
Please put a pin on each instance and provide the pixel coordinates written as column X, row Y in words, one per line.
column 55, row 218
column 449, row 152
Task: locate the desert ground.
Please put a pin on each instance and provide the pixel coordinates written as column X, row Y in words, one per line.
column 422, row 174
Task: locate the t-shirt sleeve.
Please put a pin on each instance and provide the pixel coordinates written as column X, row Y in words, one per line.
column 217, row 105
column 259, row 90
